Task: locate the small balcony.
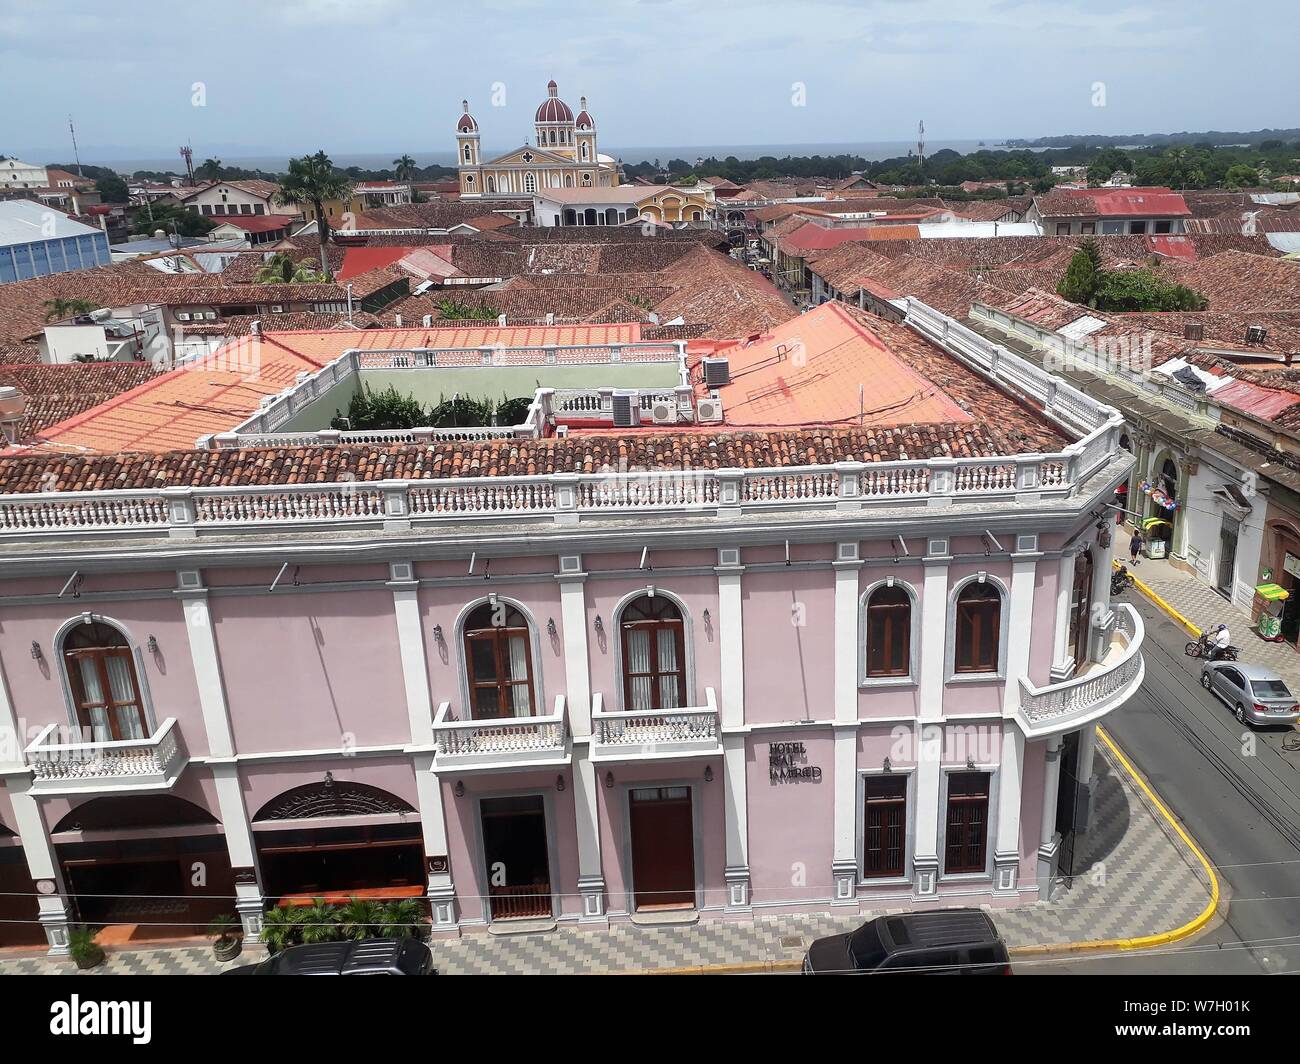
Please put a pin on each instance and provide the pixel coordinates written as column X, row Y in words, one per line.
column 502, row 742
column 1100, row 686
column 88, row 767
column 643, row 735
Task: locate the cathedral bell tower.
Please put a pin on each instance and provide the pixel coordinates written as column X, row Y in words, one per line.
column 467, row 153
column 585, row 138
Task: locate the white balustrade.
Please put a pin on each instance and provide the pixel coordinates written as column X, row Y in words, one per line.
column 1062, row 707
column 88, row 764
column 501, row 741
column 639, row 734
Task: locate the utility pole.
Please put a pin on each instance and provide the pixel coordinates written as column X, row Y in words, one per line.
column 76, row 155
column 187, row 153
column 920, row 144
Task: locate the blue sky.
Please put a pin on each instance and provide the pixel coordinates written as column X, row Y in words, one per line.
column 388, row 75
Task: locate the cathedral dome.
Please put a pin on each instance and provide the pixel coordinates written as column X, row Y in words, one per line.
column 466, row 123
column 585, row 121
column 553, row 109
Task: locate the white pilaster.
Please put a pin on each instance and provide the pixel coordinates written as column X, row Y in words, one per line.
column 731, row 648
column 221, row 747
column 1020, row 625
column 929, row 726
column 439, row 889
column 1048, row 840
column 844, row 863
column 577, row 678
column 1063, row 662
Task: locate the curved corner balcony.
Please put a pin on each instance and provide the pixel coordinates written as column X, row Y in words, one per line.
column 1100, row 686
column 106, row 767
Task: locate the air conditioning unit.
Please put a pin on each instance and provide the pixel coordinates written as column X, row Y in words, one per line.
column 664, row 412
column 211, row 315
column 182, row 315
column 717, row 372
column 277, row 308
column 708, row 411
column 627, row 410
column 1255, row 334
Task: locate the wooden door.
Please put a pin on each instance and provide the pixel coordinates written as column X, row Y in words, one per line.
column 663, row 848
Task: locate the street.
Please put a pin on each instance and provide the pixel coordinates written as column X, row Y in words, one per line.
column 1244, row 811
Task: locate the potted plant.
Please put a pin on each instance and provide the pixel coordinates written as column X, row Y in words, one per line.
column 226, row 942
column 320, row 922
column 85, row 951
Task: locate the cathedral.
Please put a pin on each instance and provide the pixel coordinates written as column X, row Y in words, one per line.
column 564, row 155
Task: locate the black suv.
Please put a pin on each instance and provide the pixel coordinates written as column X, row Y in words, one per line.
column 368, row 956
column 939, row 942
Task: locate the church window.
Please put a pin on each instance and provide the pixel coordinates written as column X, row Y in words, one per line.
column 530, row 182
column 467, row 156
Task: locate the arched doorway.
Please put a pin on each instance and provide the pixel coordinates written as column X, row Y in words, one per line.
column 1081, row 607
column 339, row 839
column 1161, row 522
column 145, row 866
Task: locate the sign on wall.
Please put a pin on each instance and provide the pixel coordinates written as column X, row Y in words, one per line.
column 788, row 763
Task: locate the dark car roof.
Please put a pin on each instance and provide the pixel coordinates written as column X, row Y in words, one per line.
column 944, row 927
column 351, row 958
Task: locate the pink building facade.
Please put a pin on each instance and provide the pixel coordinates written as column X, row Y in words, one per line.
column 761, row 691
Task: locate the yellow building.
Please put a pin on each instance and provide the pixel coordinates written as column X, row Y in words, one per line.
column 564, row 155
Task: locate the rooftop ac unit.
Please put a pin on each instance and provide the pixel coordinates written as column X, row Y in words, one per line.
column 708, row 411
column 1255, row 334
column 1193, row 331
column 627, row 410
column 182, row 315
column 277, row 308
column 211, row 315
column 717, row 372
column 664, row 412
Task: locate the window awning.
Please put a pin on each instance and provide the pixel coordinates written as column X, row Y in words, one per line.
column 1233, row 496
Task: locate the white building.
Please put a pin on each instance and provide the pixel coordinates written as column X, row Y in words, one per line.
column 14, row 173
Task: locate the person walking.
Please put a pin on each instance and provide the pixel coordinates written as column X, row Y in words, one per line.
column 1135, row 547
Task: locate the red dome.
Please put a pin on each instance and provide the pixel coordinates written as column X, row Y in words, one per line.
column 585, row 121
column 553, row 109
column 466, row 123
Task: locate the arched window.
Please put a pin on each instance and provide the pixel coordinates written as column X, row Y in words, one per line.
column 586, row 180
column 491, row 184
column 101, row 674
column 1081, row 607
column 530, row 182
column 585, row 153
column 467, row 155
column 654, row 654
column 499, row 662
column 979, row 618
column 568, row 181
column 889, row 632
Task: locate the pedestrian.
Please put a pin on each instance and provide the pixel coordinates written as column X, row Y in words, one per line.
column 1135, row 547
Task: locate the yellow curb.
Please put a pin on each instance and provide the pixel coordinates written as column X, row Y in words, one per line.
column 1145, row 588
column 1163, row 938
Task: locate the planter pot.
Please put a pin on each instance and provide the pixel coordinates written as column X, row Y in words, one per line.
column 226, row 949
column 89, row 959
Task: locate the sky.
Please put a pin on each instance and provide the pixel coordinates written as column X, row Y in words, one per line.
column 255, row 78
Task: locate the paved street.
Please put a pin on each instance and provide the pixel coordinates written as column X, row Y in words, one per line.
column 1243, row 808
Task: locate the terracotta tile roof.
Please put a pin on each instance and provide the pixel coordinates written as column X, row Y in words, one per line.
column 440, row 214
column 986, row 210
column 259, row 223
column 1112, row 203
column 580, row 453
column 714, row 289
column 55, row 393
column 1242, row 220
column 1237, row 281
column 254, row 187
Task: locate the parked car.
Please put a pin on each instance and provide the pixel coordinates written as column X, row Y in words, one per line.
column 1255, row 694
column 367, row 956
column 938, row 942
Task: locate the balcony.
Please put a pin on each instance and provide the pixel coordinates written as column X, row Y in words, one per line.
column 1100, row 687
column 501, row 743
column 649, row 735
column 106, row 767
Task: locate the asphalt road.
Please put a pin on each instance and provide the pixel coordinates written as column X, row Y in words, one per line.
column 1240, row 802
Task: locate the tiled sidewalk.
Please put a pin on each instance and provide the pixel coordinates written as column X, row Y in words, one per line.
column 1145, row 882
column 1200, row 605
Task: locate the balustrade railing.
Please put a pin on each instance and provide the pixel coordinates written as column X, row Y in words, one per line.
column 500, row 739
column 661, row 731
column 89, row 762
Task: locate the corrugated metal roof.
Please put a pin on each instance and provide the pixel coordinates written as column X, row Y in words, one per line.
column 27, row 222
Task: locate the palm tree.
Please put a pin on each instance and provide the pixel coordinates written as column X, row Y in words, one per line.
column 58, row 309
column 281, row 268
column 320, row 922
column 402, row 919
column 313, row 179
column 282, row 927
column 360, row 918
column 404, row 168
column 210, row 170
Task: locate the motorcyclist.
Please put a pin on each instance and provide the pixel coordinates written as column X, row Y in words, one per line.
column 1222, row 640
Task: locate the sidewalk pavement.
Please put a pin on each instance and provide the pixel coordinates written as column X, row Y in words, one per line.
column 1204, row 608
column 1143, row 880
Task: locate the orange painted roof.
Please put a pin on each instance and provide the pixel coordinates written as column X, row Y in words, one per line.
column 217, row 392
column 809, row 370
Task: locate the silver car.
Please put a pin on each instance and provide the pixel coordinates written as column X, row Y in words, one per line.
column 1255, row 694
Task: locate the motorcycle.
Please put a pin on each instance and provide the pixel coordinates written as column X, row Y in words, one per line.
column 1204, row 647
column 1121, row 580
